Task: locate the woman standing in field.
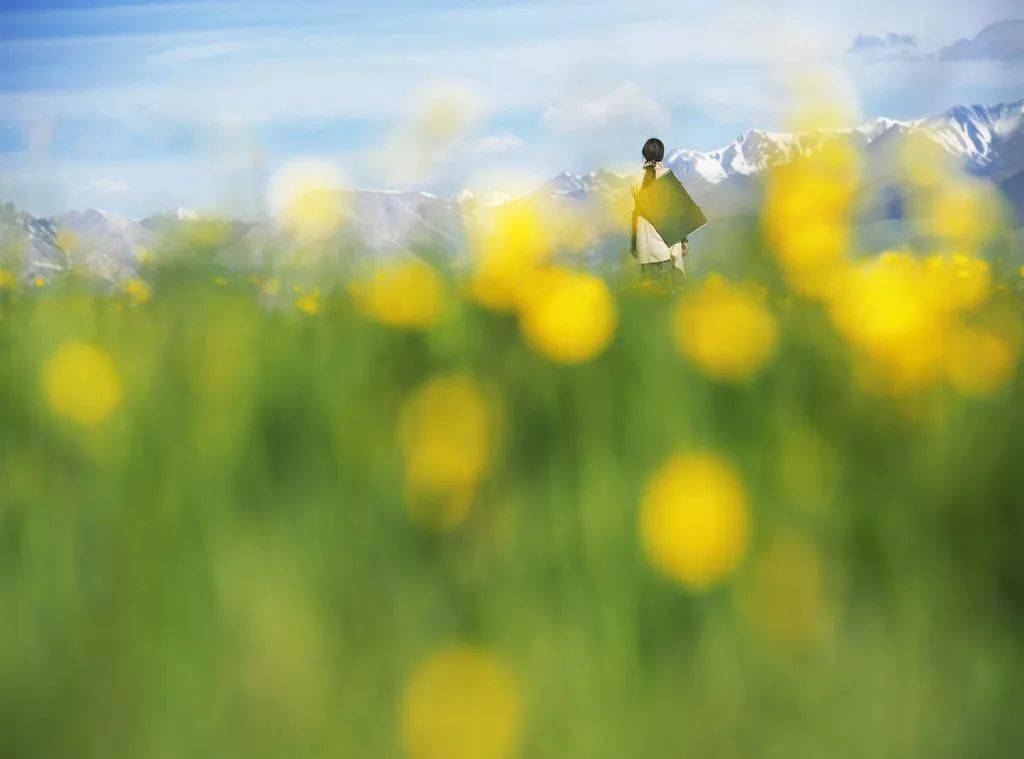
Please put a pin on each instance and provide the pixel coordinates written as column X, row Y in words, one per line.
column 663, row 214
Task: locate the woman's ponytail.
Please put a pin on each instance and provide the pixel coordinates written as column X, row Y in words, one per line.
column 653, row 152
column 649, row 173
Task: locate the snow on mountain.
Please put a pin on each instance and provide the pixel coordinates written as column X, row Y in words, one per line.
column 173, row 216
column 380, row 225
column 29, row 244
column 104, row 243
column 989, row 139
column 488, row 199
column 571, row 186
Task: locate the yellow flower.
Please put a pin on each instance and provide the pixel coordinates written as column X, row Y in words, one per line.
column 446, row 430
column 39, row 282
column 960, row 213
column 726, row 329
column 144, row 255
column 694, row 521
column 958, row 282
column 807, row 214
column 308, row 199
column 567, row 316
column 979, row 361
column 407, row 295
column 136, row 290
column 510, row 242
column 67, row 241
column 923, row 162
column 271, row 287
column 6, row 279
column 889, row 312
column 309, row 303
column 81, row 383
column 784, row 597
column 461, row 703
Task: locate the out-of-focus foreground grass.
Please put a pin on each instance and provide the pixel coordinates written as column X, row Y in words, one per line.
column 526, row 512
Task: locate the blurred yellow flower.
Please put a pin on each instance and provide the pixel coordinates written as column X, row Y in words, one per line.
column 960, row 213
column 510, row 242
column 144, row 255
column 904, row 316
column 958, row 282
column 567, row 316
column 923, row 162
column 979, row 361
column 138, row 292
column 726, row 329
column 307, row 198
column 694, row 520
column 446, row 431
column 808, row 206
column 409, row 295
column 271, row 287
column 6, row 279
column 67, row 241
column 81, row 383
column 315, row 212
column 891, row 315
column 39, row 282
column 461, row 703
column 783, row 596
column 309, row 303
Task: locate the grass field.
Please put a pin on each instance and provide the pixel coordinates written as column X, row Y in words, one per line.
column 266, row 514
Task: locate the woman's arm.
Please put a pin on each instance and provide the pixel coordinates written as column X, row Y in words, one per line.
column 632, row 244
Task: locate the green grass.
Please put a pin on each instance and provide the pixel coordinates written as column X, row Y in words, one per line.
column 226, row 568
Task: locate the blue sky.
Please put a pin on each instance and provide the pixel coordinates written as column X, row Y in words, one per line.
column 136, row 107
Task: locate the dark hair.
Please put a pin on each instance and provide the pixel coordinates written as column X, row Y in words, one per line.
column 654, row 150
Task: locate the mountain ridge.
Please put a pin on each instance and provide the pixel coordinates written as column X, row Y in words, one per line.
column 988, row 141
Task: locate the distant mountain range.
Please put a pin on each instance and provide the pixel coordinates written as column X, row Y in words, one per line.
column 987, row 141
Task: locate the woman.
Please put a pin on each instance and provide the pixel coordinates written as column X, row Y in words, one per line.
column 658, row 261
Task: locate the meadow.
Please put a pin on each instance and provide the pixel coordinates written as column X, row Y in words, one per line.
column 524, row 509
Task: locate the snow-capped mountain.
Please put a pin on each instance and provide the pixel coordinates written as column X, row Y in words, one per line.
column 750, row 153
column 987, row 141
column 106, row 244
column 571, row 186
column 990, row 140
column 490, row 199
column 160, row 221
column 378, row 225
column 29, row 244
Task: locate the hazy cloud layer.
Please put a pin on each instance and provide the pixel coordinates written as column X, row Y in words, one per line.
column 194, row 103
column 1001, row 41
column 891, row 47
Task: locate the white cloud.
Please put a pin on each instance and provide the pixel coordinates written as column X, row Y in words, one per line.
column 1001, row 41
column 494, row 143
column 105, row 185
column 627, row 107
column 195, row 53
